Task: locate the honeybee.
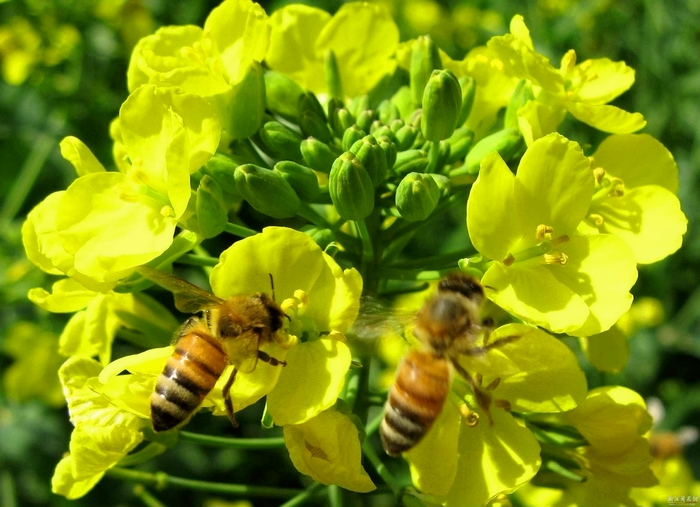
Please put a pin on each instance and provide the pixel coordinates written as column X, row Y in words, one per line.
column 229, row 331
column 447, row 325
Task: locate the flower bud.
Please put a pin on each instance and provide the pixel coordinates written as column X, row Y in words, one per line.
column 282, row 142
column 388, row 111
column 332, row 72
column 521, row 96
column 411, row 161
column 358, row 104
column 211, row 211
column 309, row 102
column 506, row 142
column 372, row 156
column 402, row 99
column 417, row 196
column 460, row 142
column 389, row 148
column 302, row 179
column 405, row 137
column 267, row 191
column 352, row 135
column 425, row 58
column 468, row 86
column 318, row 155
column 395, row 125
column 245, row 113
column 381, row 130
column 443, row 182
column 351, row 188
column 339, row 117
column 365, row 119
column 282, row 94
column 313, row 125
column 322, row 237
column 221, row 168
column 442, row 100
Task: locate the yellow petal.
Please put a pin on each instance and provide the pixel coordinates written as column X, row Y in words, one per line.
column 327, row 448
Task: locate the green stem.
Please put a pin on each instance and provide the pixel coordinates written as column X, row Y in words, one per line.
column 239, row 230
column 310, row 214
column 374, row 424
column 302, row 497
column 381, row 469
column 162, row 480
column 435, row 260
column 335, row 496
column 148, row 499
column 233, row 443
column 433, row 156
column 198, row 260
column 8, row 492
column 419, row 275
column 29, row 172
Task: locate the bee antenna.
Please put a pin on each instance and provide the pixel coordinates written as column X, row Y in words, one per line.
column 272, row 286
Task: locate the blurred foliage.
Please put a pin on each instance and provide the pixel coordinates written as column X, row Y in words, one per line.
column 63, row 66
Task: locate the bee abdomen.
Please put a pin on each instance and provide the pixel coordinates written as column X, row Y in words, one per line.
column 189, row 375
column 415, row 400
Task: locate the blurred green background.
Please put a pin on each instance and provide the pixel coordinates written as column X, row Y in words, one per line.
column 64, row 73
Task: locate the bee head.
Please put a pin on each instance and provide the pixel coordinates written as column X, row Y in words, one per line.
column 463, row 284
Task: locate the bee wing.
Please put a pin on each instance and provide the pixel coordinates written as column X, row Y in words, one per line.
column 188, row 297
column 243, row 350
column 376, row 319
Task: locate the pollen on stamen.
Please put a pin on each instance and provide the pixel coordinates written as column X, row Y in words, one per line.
column 167, row 211
column 598, row 174
column 556, row 258
column 544, row 231
column 597, row 219
column 471, row 418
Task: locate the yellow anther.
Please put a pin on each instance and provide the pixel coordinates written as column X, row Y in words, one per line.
column 302, row 297
column 494, row 384
column 568, row 61
column 504, row 404
column 556, row 258
column 509, row 260
column 544, row 232
column 167, row 211
column 598, row 174
column 597, row 219
column 471, row 418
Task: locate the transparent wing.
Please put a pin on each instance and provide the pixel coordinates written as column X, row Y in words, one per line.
column 188, row 297
column 243, row 350
column 376, row 319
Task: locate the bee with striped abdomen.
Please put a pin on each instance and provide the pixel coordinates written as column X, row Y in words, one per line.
column 229, row 331
column 448, row 325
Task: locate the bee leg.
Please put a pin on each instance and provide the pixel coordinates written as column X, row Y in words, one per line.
column 477, row 351
column 483, row 397
column 269, row 359
column 227, row 398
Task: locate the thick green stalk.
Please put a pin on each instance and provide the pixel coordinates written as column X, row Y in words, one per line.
column 162, row 480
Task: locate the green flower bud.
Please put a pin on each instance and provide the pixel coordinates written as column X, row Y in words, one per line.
column 443, row 154
column 322, row 237
column 332, row 72
column 425, row 58
column 468, row 86
column 506, row 142
column 382, row 131
column 358, row 104
column 267, row 191
column 372, row 156
column 302, row 179
column 521, row 96
column 417, row 196
column 365, row 119
column 388, row 111
column 282, row 142
column 246, row 112
column 405, row 137
column 442, row 100
column 389, row 148
column 312, row 125
column 339, row 117
column 282, row 94
column 460, row 142
column 211, row 210
column 402, row 99
column 411, row 161
column 309, row 102
column 220, row 168
column 395, row 125
column 351, row 136
column 443, row 183
column 351, row 188
column 318, row 155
